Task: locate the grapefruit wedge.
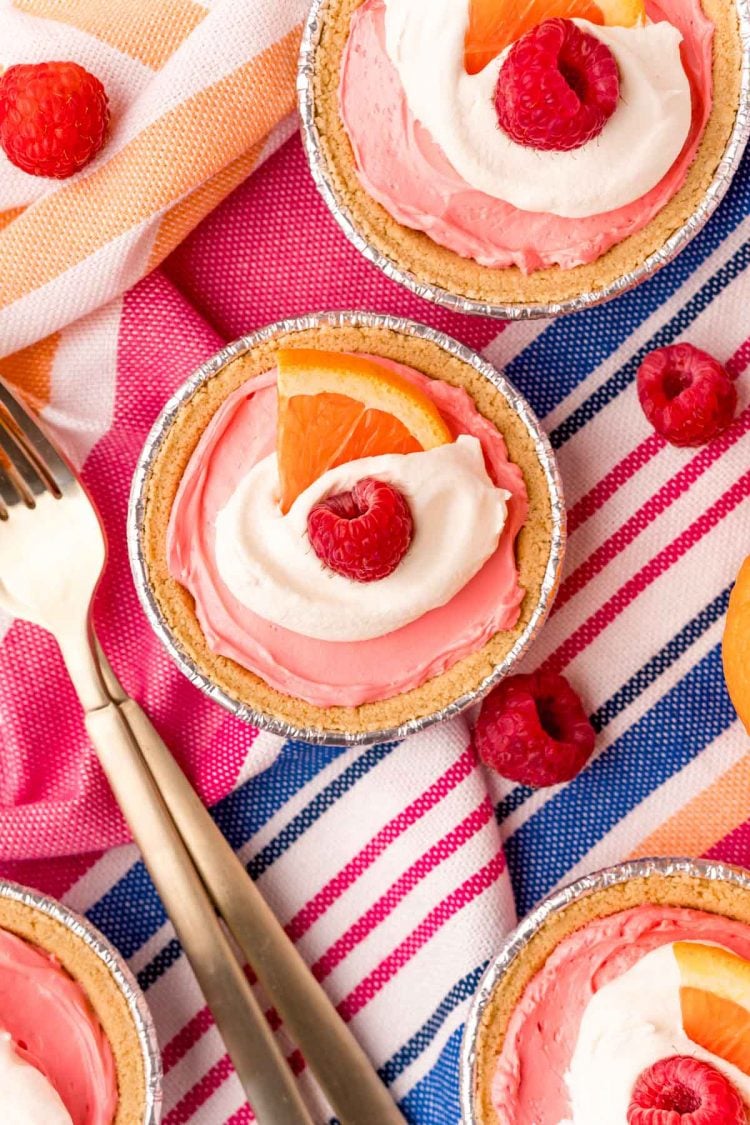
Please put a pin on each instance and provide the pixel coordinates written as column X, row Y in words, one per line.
column 715, row 1000
column 495, row 24
column 736, row 645
column 335, row 408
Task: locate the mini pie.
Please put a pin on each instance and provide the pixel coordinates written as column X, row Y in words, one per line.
column 657, row 893
column 177, row 606
column 433, row 264
column 102, row 991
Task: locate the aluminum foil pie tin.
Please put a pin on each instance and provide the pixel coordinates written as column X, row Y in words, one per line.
column 325, row 181
column 246, row 344
column 517, row 941
column 126, row 982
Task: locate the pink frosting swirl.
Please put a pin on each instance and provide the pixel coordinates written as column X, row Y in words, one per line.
column 55, row 1029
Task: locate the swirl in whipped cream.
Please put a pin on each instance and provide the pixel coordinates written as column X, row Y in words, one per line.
column 266, row 560
column 636, row 148
column 627, row 1026
column 27, row 1096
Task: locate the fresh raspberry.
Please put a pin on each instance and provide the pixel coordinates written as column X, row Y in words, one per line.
column 362, row 534
column 557, row 87
column 684, row 1091
column 533, row 729
column 53, row 117
column 686, row 394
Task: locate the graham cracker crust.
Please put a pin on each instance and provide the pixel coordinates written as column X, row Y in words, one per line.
column 177, row 605
column 102, row 991
column 433, row 264
column 711, row 895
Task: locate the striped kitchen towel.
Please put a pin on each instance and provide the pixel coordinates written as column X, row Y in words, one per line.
column 385, row 863
column 197, row 92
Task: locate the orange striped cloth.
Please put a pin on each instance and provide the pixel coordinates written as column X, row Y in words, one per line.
column 200, row 93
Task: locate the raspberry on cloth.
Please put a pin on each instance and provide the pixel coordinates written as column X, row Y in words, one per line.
column 686, row 394
column 395, row 867
column 53, row 117
column 533, row 729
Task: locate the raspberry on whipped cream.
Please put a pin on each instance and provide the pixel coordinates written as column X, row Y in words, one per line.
column 629, row 1024
column 630, row 156
column 362, row 533
column 692, row 1090
column 265, row 558
column 557, row 87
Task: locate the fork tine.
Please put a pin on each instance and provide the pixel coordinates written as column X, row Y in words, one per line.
column 27, row 433
column 19, row 465
column 13, row 483
column 7, row 493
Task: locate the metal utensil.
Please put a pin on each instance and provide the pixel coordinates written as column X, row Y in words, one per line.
column 345, row 1073
column 331, row 1051
column 52, row 553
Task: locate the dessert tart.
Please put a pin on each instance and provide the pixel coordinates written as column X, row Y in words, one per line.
column 76, row 1044
column 346, row 527
column 634, row 980
column 431, row 141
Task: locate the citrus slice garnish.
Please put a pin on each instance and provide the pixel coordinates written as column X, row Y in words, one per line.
column 495, row 24
column 736, row 645
column 335, row 408
column 715, row 1000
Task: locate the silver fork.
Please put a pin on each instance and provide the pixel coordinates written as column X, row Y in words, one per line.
column 52, row 554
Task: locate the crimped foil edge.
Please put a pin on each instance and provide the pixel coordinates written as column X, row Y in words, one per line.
column 126, row 982
column 519, row 938
column 214, row 364
column 324, row 181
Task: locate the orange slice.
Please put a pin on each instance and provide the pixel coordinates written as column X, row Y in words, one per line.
column 335, row 408
column 736, row 645
column 715, row 1000
column 495, row 24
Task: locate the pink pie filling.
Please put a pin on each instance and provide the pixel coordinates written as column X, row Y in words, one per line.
column 54, row 1028
column 405, row 170
column 325, row 673
column 529, row 1083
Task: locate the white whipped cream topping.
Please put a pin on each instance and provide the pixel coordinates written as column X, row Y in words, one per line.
column 26, row 1097
column 628, row 1025
column 636, row 148
column 266, row 559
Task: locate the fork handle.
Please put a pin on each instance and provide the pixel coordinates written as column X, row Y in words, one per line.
column 340, row 1065
column 262, row 1069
